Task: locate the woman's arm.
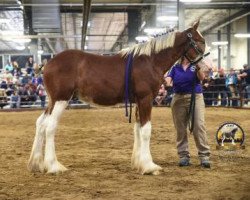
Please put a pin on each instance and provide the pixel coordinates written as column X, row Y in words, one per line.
column 200, row 73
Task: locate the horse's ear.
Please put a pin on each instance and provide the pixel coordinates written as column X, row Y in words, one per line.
column 196, row 24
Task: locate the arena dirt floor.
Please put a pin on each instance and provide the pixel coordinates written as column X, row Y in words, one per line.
column 96, row 145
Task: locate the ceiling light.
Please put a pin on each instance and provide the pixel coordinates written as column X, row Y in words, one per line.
column 167, row 18
column 242, row 35
column 40, row 51
column 194, row 1
column 21, row 40
column 11, row 32
column 142, row 38
column 20, row 48
column 152, row 31
column 220, row 43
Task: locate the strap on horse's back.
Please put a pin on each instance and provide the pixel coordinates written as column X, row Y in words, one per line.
column 128, row 85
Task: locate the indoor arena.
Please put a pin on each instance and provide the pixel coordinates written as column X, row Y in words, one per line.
column 122, row 99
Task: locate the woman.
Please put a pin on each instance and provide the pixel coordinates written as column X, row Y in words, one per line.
column 182, row 77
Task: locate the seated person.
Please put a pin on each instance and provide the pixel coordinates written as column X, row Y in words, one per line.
column 161, row 96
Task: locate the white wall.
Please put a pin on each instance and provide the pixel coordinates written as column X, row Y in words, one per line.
column 239, row 45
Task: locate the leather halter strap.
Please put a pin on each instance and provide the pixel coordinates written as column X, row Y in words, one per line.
column 193, row 45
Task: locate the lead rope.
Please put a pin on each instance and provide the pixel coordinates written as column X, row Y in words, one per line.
column 128, row 86
column 191, row 111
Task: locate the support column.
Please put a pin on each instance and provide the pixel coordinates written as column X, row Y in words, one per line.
column 229, row 46
column 85, row 18
column 219, row 49
column 181, row 15
column 134, row 22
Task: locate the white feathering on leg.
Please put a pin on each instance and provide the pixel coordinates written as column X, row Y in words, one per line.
column 50, row 160
column 146, row 165
column 36, row 157
column 137, row 145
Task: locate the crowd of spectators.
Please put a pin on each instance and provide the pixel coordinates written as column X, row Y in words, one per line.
column 220, row 88
column 22, row 86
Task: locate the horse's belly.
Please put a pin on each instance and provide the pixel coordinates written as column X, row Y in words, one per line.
column 101, row 100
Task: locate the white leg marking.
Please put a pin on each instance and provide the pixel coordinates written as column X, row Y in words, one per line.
column 36, row 157
column 50, row 160
column 146, row 165
column 137, row 146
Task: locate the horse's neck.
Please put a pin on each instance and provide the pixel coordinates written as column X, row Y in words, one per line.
column 165, row 59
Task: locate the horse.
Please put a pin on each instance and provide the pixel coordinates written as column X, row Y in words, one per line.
column 229, row 135
column 100, row 79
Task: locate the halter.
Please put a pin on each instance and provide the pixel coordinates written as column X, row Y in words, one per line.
column 193, row 45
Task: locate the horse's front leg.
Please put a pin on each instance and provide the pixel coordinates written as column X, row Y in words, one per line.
column 145, row 163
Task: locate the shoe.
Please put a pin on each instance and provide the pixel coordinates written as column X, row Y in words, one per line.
column 205, row 164
column 184, row 162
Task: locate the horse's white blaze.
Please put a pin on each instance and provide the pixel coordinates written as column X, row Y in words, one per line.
column 50, row 160
column 36, row 156
column 137, row 146
column 146, row 165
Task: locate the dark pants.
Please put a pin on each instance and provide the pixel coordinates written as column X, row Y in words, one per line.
column 42, row 98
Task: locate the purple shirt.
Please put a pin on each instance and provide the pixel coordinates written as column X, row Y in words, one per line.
column 183, row 80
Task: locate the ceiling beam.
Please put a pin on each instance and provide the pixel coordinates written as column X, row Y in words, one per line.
column 227, row 21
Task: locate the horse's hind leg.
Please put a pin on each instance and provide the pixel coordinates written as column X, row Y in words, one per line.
column 36, row 158
column 50, row 159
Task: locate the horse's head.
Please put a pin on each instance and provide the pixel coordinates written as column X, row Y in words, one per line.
column 195, row 47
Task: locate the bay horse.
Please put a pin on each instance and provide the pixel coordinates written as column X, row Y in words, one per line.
column 100, row 79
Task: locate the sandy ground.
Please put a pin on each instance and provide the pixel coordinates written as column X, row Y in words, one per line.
column 96, row 145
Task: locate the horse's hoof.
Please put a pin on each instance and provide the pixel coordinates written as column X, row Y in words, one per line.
column 56, row 168
column 152, row 170
column 35, row 165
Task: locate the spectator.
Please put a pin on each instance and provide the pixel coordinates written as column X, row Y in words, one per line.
column 231, row 82
column 3, row 85
column 16, row 69
column 32, row 95
column 219, row 82
column 8, row 67
column 23, row 93
column 30, row 66
column 246, row 76
column 42, row 94
column 15, row 100
column 37, row 79
column 161, row 96
column 25, row 79
column 207, row 87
